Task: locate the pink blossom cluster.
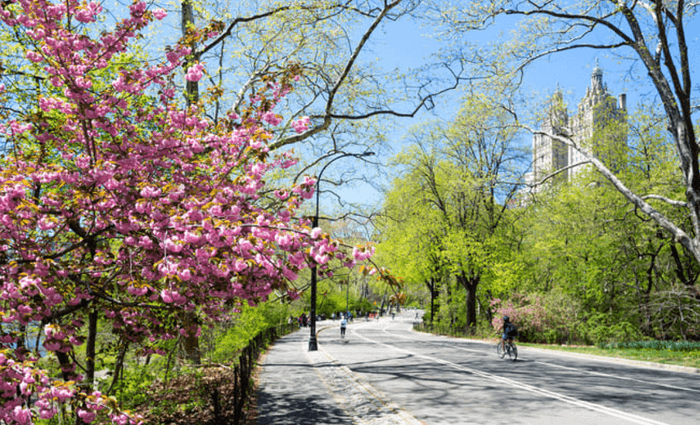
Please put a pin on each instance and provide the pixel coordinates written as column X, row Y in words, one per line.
column 195, row 72
column 132, row 206
column 363, row 253
column 301, row 125
column 526, row 311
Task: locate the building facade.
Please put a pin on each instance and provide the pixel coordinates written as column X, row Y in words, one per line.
column 597, row 127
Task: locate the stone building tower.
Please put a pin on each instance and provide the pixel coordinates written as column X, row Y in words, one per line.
column 597, row 127
column 549, row 155
column 599, row 124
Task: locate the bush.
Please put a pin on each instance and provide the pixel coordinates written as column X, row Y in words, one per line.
column 244, row 327
column 603, row 328
column 549, row 317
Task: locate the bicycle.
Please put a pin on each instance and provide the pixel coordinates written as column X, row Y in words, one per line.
column 510, row 350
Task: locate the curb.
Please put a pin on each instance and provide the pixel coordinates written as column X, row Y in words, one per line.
column 629, row 362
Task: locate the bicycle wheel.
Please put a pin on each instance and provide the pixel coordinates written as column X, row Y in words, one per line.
column 499, row 350
column 512, row 352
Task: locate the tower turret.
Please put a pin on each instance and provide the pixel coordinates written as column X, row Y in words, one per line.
column 597, row 78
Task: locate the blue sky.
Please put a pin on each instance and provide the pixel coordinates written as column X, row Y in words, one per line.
column 401, row 44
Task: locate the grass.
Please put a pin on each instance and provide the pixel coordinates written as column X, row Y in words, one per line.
column 679, row 358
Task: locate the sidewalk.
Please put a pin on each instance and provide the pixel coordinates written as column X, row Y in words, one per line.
column 291, row 389
column 311, row 388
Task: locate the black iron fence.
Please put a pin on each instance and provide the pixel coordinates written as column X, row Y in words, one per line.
column 228, row 399
column 212, row 394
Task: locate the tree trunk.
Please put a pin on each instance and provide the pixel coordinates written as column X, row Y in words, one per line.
column 192, row 87
column 191, row 342
column 432, row 287
column 90, row 351
column 470, row 284
column 687, row 281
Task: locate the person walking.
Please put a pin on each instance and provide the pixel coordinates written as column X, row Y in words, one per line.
column 343, row 326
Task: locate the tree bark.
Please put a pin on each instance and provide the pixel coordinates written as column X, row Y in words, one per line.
column 90, row 351
column 470, row 284
column 191, row 342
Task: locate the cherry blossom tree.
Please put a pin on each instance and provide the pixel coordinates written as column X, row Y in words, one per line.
column 119, row 205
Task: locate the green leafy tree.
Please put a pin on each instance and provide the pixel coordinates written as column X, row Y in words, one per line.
column 463, row 176
column 652, row 34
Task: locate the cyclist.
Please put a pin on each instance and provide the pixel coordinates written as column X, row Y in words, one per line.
column 343, row 325
column 509, row 331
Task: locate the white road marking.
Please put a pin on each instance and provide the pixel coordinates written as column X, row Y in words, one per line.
column 607, row 375
column 515, row 384
column 650, row 383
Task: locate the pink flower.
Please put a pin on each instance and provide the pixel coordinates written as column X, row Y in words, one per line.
column 150, row 192
column 192, row 238
column 322, row 259
column 82, row 162
column 195, row 72
column 22, row 416
column 185, row 275
column 316, row 232
column 169, row 296
column 362, row 254
column 272, row 118
column 86, row 416
column 239, row 265
column 88, row 13
column 160, row 14
column 172, row 246
column 52, row 346
column 34, row 56
column 301, row 125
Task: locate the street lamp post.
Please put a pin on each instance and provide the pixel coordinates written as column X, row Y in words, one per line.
column 347, row 298
column 313, row 342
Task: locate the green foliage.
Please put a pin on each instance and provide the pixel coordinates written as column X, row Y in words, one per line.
column 686, row 346
column 603, row 328
column 137, row 379
column 445, row 219
column 332, row 303
column 362, row 305
column 245, row 325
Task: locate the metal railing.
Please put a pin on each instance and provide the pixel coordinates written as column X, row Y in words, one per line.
column 229, row 393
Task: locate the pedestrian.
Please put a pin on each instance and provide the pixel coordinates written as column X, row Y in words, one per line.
column 343, row 325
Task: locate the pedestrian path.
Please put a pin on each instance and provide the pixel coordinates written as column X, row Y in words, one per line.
column 298, row 386
column 291, row 390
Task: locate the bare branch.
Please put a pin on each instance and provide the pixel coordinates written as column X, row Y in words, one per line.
column 556, row 173
column 667, row 200
column 327, row 117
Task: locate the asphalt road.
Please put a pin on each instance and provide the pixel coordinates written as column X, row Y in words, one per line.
column 441, row 380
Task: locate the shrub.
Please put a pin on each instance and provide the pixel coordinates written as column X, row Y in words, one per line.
column 550, row 318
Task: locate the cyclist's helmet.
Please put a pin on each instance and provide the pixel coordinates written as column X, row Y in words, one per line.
column 506, row 318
